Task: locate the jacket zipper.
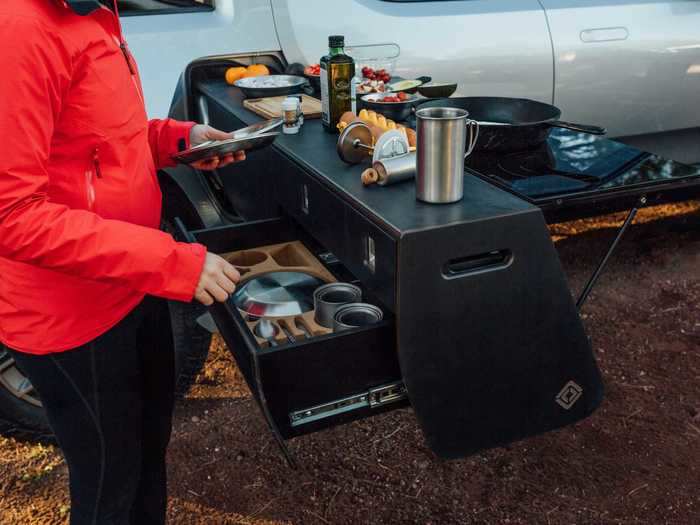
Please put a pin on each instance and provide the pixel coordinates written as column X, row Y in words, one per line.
column 96, row 162
column 94, row 171
column 123, row 46
column 127, row 57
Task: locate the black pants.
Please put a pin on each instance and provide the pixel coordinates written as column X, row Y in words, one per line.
column 110, row 405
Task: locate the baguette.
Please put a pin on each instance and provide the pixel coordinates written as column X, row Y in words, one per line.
column 372, row 118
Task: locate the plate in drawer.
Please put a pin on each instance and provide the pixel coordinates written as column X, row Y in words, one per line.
column 277, row 294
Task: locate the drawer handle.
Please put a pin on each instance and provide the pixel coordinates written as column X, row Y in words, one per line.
column 304, row 199
column 474, row 264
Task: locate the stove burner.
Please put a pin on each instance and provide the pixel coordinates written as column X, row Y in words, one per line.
column 537, row 163
column 572, row 163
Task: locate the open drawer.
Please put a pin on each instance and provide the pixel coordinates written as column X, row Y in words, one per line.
column 318, row 380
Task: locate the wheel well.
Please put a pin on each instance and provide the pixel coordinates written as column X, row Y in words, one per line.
column 185, row 197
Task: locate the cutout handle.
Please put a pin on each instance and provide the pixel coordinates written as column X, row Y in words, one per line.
column 474, row 264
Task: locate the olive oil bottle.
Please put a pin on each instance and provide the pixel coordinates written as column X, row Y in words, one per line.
column 337, row 72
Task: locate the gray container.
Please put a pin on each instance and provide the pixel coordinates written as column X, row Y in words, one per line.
column 356, row 315
column 330, row 297
column 443, row 135
column 396, row 169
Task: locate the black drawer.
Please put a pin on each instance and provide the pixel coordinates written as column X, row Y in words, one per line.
column 363, row 247
column 312, row 383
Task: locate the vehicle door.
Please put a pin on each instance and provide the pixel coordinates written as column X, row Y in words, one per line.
column 491, row 47
column 630, row 65
column 166, row 35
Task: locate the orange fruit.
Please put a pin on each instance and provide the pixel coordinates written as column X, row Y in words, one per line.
column 256, row 70
column 235, row 73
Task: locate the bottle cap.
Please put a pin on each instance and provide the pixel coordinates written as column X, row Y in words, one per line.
column 336, row 41
column 290, row 103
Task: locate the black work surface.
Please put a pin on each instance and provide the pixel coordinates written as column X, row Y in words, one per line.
column 395, row 207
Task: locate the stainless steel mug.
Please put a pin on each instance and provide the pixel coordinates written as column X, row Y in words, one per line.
column 442, row 140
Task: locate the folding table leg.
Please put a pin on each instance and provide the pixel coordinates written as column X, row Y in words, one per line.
column 601, row 266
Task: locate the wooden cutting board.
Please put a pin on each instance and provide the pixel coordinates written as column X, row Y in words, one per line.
column 271, row 107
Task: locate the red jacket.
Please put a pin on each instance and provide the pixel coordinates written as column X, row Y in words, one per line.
column 80, row 203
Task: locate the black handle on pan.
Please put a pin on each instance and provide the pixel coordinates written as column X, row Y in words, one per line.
column 308, row 89
column 583, row 128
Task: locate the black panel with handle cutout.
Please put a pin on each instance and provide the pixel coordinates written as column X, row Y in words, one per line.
column 474, row 264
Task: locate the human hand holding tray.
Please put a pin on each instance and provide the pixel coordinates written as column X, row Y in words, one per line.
column 251, row 138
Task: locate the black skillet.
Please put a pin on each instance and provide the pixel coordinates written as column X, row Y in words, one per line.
column 511, row 124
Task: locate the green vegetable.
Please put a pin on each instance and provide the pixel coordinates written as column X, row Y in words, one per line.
column 404, row 85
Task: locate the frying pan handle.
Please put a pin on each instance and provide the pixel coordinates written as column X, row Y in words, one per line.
column 308, row 89
column 583, row 128
column 473, row 128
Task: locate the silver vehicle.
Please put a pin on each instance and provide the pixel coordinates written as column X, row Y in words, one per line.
column 632, row 66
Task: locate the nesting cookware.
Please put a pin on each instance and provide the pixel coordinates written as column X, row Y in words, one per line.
column 329, row 298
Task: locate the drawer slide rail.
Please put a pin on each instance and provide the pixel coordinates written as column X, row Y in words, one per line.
column 373, row 398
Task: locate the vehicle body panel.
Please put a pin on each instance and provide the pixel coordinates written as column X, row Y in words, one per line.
column 497, row 47
column 164, row 44
column 632, row 66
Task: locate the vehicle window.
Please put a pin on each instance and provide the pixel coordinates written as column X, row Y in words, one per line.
column 146, row 7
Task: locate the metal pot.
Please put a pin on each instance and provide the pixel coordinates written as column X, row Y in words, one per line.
column 356, row 315
column 511, row 124
column 329, row 298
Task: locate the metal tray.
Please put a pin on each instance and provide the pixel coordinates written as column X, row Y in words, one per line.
column 218, row 148
column 256, row 129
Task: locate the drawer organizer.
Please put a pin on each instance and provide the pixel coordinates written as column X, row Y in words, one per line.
column 285, row 257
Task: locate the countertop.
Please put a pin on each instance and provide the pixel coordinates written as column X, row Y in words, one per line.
column 394, row 206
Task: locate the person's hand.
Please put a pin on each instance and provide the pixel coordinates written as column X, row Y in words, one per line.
column 217, row 282
column 202, row 133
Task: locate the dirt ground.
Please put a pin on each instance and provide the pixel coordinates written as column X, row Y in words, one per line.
column 636, row 460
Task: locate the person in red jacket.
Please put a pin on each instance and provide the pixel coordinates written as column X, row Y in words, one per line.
column 84, row 267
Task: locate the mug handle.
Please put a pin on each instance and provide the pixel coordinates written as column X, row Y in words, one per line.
column 473, row 127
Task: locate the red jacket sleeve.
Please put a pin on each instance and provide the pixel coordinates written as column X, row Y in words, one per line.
column 36, row 231
column 167, row 137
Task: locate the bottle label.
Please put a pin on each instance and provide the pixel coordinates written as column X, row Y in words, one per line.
column 325, row 104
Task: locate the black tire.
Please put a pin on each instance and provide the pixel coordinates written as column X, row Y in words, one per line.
column 192, row 344
column 19, row 417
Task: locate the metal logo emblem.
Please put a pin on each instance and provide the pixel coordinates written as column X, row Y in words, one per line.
column 568, row 395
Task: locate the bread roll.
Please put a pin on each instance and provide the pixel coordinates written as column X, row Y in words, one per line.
column 376, row 133
column 412, row 137
column 369, row 176
column 378, row 122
